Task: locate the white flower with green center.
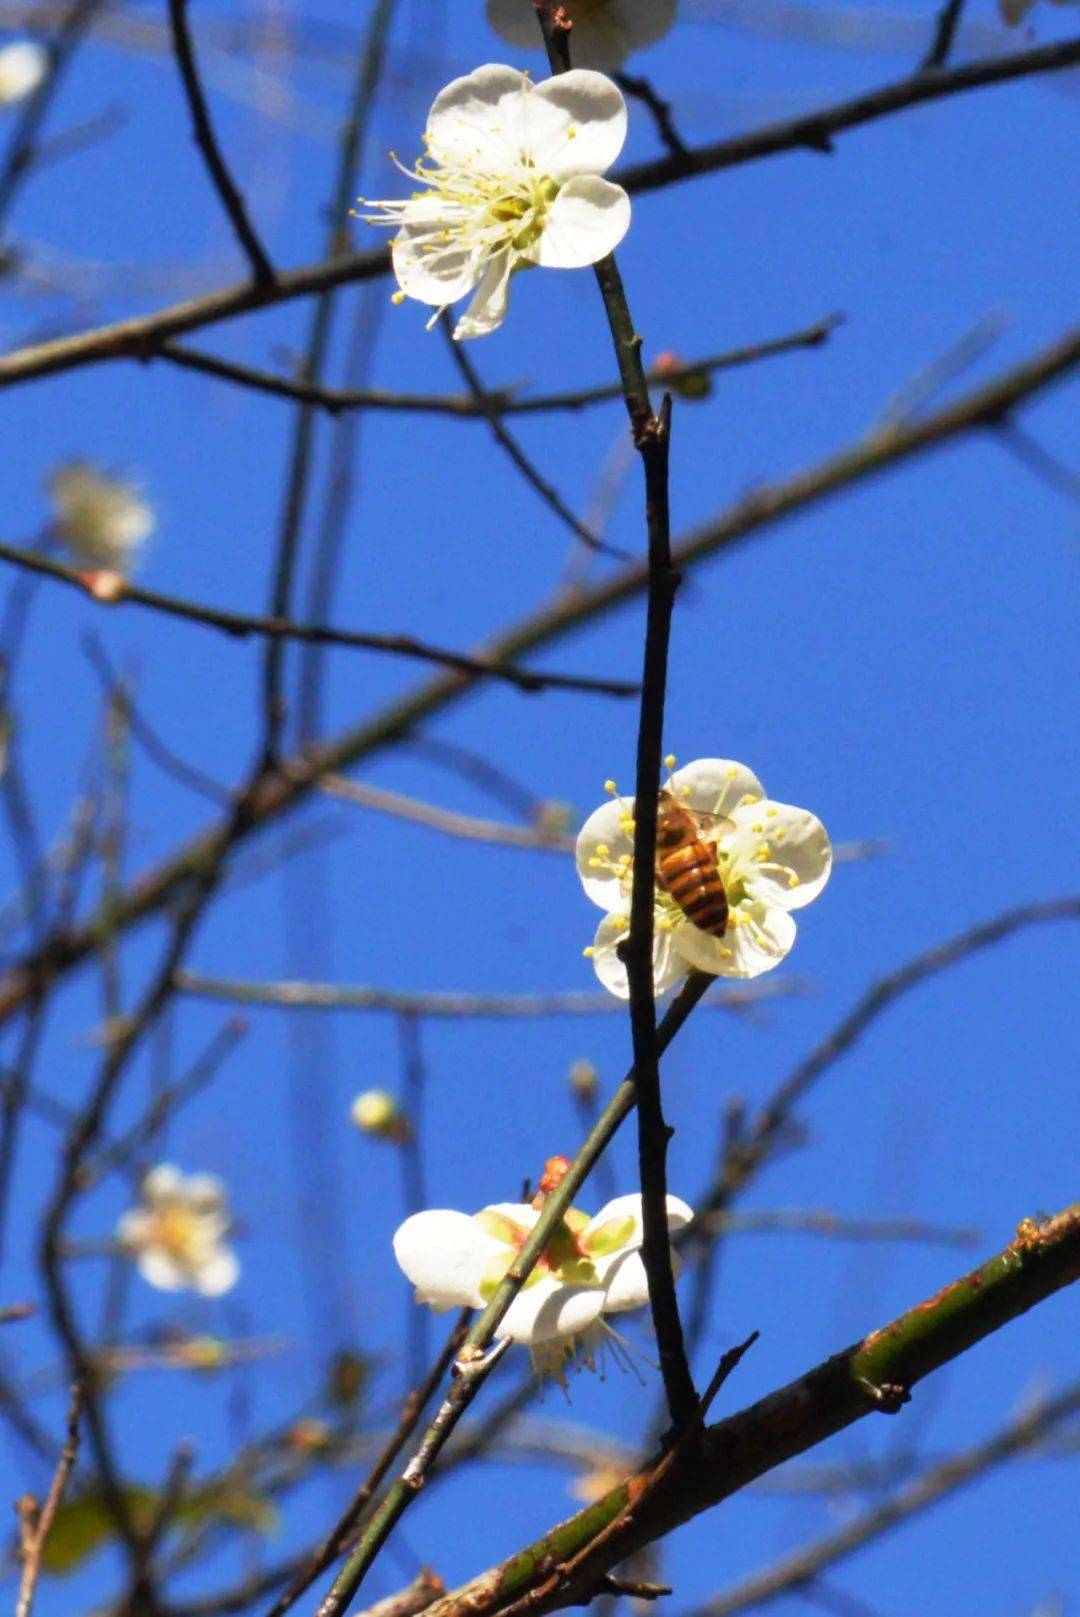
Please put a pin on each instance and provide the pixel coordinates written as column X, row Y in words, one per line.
column 771, row 858
column 102, row 520
column 590, row 1267
column 177, row 1234
column 511, row 178
column 604, row 32
column 23, row 65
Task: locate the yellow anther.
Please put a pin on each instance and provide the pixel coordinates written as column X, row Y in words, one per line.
column 727, row 954
column 771, row 813
column 597, row 864
column 610, row 788
column 758, row 829
column 793, row 880
column 779, row 835
column 589, row 953
column 602, row 849
column 397, row 297
column 669, row 761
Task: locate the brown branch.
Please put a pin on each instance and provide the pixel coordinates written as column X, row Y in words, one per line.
column 241, row 625
column 35, row 1521
column 339, row 1536
column 874, row 1374
column 284, row 788
column 749, row 1151
column 356, row 997
column 944, row 33
column 487, row 405
column 792, row 1572
column 462, row 407
column 815, row 131
column 222, row 181
column 142, row 337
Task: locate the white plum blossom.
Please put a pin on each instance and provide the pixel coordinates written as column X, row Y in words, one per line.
column 604, row 32
column 177, row 1234
column 511, row 177
column 23, row 65
column 771, row 858
column 589, row 1268
column 102, row 520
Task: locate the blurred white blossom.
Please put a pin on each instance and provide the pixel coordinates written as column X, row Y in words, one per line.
column 23, row 65
column 604, row 32
column 589, row 1268
column 102, row 520
column 771, row 858
column 177, row 1233
column 510, row 178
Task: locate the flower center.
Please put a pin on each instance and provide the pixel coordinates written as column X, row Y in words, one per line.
column 483, row 210
column 174, row 1231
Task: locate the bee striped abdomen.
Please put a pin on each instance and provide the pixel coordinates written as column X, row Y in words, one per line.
column 686, row 868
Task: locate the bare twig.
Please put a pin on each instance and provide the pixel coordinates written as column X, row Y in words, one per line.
column 283, row 789
column 792, row 1572
column 468, row 408
column 659, row 110
column 142, row 337
column 874, row 1374
column 222, row 181
column 240, row 625
column 488, row 406
column 339, row 1536
column 751, row 1149
column 944, row 33
column 326, row 996
column 35, row 1521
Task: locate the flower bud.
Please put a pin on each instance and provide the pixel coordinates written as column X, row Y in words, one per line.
column 377, row 1113
column 693, row 384
column 583, row 1080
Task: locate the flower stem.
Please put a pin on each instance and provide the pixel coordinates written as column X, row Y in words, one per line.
column 652, row 435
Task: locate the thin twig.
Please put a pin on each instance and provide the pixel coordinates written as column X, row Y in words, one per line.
column 335, row 399
column 338, row 1537
column 142, row 336
column 751, row 1149
column 948, row 21
column 872, row 1375
column 35, row 1522
column 222, row 181
column 240, row 625
column 652, row 436
column 791, row 1572
column 659, row 110
column 395, row 1002
column 487, row 406
column 22, row 149
column 67, row 946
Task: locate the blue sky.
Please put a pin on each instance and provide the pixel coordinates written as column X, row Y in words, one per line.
column 898, row 660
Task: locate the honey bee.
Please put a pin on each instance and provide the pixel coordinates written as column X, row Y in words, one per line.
column 686, row 863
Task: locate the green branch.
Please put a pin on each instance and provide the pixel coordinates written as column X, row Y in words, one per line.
column 565, row 1566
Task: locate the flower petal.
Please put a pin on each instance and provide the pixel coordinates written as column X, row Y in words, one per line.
column 668, row 967
column 603, row 829
column 218, row 1274
column 205, row 1194
column 488, row 307
column 133, row 1227
column 161, row 1271
column 574, row 124
column 715, row 785
column 799, row 855
column 604, row 32
column 439, row 277
column 549, row 1309
column 759, row 938
column 477, row 120
column 627, row 1284
column 630, row 1207
column 586, row 222
column 445, row 1255
column 162, row 1184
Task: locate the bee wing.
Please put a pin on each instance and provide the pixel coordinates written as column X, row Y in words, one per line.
column 713, row 827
